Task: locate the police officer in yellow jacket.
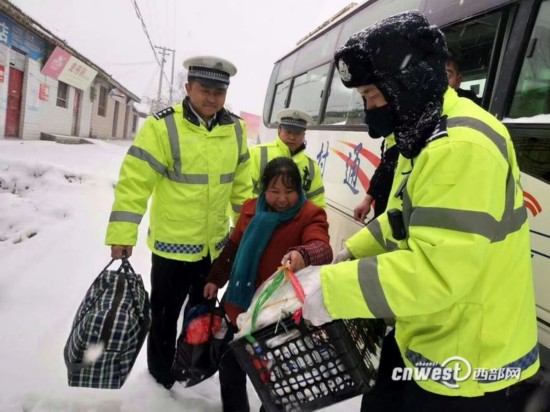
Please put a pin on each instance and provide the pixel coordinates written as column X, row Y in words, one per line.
column 450, row 259
column 193, row 160
column 293, row 124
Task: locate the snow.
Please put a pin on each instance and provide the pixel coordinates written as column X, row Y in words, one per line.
column 540, row 118
column 55, row 200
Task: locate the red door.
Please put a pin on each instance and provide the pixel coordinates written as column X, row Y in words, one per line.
column 13, row 111
column 76, row 112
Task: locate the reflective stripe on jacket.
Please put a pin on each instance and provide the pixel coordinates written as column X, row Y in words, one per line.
column 312, row 179
column 195, row 176
column 460, row 283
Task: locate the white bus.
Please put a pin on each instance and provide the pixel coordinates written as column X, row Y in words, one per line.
column 505, row 50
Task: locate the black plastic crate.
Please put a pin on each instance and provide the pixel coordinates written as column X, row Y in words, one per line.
column 303, row 368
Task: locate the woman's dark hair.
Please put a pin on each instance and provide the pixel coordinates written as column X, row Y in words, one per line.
column 285, row 168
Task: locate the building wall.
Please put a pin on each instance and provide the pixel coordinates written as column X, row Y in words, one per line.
column 122, row 107
column 126, row 123
column 4, row 62
column 42, row 115
column 39, row 112
column 45, row 116
column 102, row 126
column 86, row 107
column 130, row 134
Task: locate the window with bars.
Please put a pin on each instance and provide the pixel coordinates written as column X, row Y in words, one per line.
column 62, row 95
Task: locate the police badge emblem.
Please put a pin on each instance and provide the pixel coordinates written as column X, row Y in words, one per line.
column 344, row 71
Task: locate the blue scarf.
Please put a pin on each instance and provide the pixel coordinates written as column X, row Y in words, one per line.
column 255, row 238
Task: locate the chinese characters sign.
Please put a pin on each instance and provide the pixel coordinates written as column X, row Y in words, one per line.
column 353, row 172
column 322, row 158
column 43, row 94
column 15, row 35
column 68, row 69
column 352, row 168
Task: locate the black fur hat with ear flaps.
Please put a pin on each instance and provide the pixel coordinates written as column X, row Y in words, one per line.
column 405, row 58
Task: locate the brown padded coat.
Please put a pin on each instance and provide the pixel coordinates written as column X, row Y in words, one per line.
column 306, row 232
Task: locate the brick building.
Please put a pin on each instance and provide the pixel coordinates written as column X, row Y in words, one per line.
column 46, row 86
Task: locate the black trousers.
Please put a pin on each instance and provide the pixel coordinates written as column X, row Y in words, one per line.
column 388, row 395
column 172, row 281
column 233, row 384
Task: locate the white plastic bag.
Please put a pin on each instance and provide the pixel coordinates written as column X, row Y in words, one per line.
column 282, row 303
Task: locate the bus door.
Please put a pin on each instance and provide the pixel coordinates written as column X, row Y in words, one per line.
column 527, row 116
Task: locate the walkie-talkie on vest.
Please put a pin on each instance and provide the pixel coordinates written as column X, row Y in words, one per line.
column 307, row 182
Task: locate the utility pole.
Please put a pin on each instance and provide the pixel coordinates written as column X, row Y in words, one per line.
column 172, row 77
column 164, row 51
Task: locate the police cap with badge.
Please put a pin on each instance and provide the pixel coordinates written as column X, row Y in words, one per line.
column 210, row 71
column 294, row 120
column 404, row 57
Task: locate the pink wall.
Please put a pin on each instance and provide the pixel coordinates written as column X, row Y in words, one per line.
column 252, row 125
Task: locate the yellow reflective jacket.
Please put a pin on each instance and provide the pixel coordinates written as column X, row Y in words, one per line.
column 312, row 179
column 460, row 283
column 192, row 174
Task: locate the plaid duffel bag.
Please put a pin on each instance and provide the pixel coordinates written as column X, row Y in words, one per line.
column 108, row 330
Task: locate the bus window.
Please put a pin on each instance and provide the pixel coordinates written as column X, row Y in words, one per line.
column 279, row 101
column 307, row 91
column 344, row 106
column 287, row 67
column 316, row 52
column 532, row 100
column 532, row 95
column 473, row 43
column 532, row 152
column 373, row 13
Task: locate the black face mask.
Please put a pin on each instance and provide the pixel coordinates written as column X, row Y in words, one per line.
column 380, row 121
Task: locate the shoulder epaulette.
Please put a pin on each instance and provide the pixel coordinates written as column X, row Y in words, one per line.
column 164, row 112
column 440, row 131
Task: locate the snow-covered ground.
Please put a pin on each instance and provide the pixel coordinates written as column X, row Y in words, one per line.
column 55, row 200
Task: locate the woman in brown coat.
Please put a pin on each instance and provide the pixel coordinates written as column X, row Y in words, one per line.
column 280, row 225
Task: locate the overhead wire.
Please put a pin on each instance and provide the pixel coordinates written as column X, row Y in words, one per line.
column 131, row 64
column 174, row 46
column 144, row 26
column 150, row 82
column 174, row 21
column 164, row 14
